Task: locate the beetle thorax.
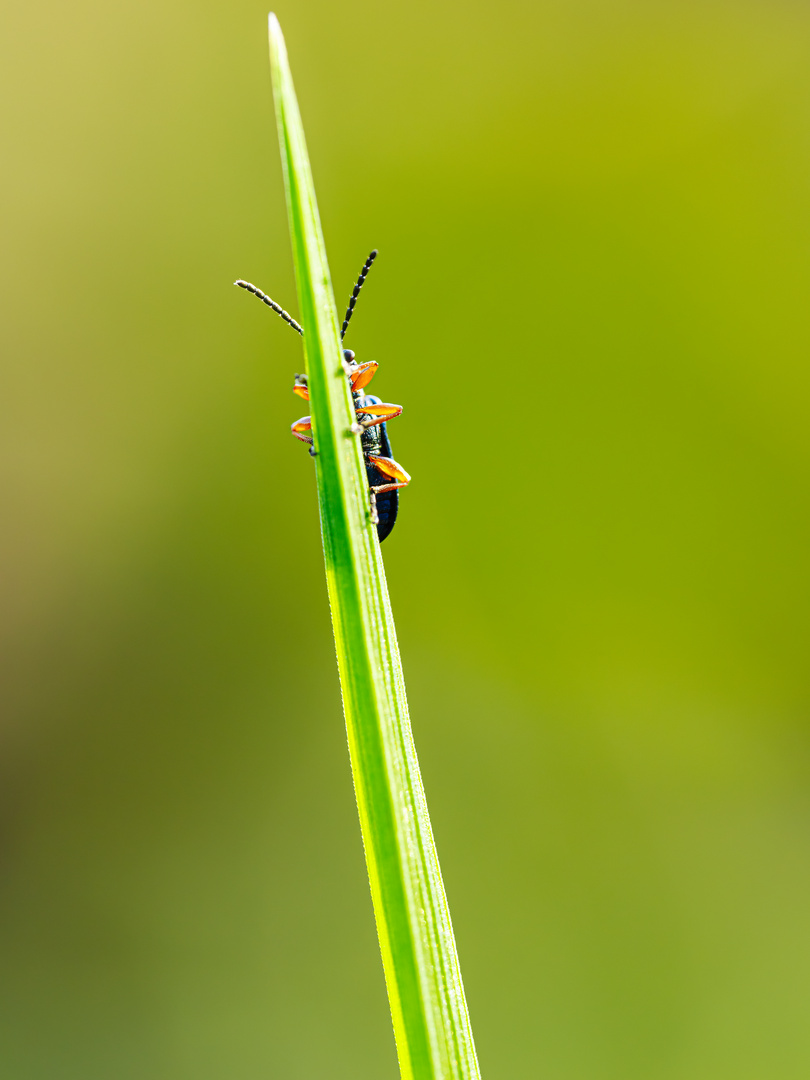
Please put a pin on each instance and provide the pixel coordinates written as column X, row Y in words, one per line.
column 371, row 439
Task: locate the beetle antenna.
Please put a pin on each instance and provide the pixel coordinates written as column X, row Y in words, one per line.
column 265, row 299
column 356, row 291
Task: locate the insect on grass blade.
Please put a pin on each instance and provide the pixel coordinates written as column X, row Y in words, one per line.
column 431, row 1024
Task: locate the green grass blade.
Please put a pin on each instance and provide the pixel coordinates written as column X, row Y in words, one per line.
column 429, row 1011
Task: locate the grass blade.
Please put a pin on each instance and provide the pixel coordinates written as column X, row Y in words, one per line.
column 429, row 1011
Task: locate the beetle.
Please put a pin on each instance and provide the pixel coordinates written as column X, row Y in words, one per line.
column 385, row 475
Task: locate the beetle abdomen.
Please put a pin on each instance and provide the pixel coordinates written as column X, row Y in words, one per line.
column 374, row 440
column 387, row 502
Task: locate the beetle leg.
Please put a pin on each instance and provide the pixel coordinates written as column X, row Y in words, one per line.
column 378, row 414
column 388, row 467
column 300, row 387
column 300, row 426
column 360, row 375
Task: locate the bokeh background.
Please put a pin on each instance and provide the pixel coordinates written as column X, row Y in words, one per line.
column 591, row 299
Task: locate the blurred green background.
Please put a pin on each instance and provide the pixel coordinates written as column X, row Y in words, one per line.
column 591, row 299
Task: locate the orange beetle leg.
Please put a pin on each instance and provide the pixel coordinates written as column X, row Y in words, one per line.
column 300, row 426
column 378, row 414
column 301, row 387
column 389, row 467
column 362, row 374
